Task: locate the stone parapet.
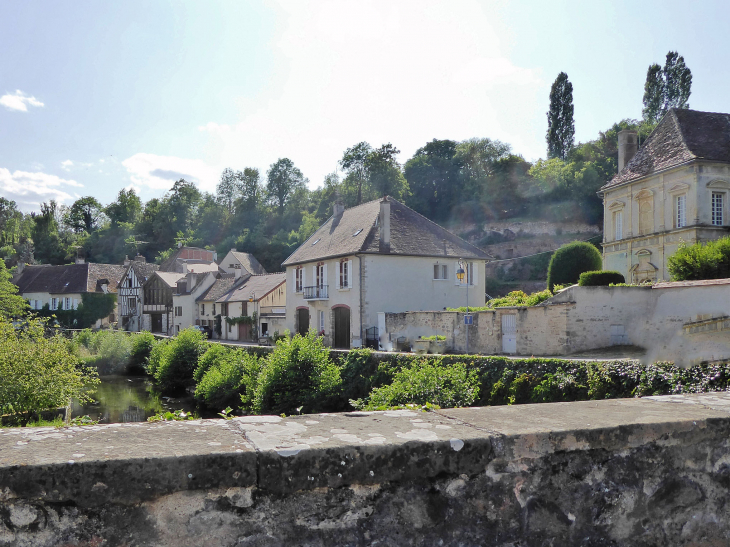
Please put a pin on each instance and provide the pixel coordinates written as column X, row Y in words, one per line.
column 650, row 471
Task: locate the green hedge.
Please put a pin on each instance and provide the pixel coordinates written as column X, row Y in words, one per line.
column 709, row 260
column 600, row 278
column 571, row 260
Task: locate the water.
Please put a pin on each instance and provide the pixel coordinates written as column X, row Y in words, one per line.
column 129, row 399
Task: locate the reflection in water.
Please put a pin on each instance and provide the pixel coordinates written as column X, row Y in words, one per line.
column 129, row 399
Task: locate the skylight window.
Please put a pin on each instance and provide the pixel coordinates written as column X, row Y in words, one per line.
column 317, row 241
column 357, row 232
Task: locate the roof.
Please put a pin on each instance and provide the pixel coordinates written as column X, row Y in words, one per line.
column 219, row 287
column 249, row 262
column 169, row 278
column 194, row 255
column 697, row 283
column 357, row 231
column 143, row 270
column 682, row 136
column 69, row 278
column 261, row 285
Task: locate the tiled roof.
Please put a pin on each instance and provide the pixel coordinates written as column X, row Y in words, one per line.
column 143, row 270
column 356, row 231
column 681, row 136
column 194, row 255
column 170, row 278
column 261, row 285
column 69, row 278
column 219, row 288
column 698, row 283
column 249, row 262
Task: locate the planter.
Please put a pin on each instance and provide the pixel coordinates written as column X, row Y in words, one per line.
column 421, row 346
column 438, row 346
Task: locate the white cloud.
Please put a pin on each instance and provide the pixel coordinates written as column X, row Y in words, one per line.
column 29, row 189
column 67, row 165
column 161, row 172
column 19, row 101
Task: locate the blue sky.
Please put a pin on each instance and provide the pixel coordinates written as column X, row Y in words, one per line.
column 99, row 96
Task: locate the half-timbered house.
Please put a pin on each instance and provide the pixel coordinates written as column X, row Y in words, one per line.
column 130, row 295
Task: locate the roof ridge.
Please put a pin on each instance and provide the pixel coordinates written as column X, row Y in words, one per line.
column 682, row 137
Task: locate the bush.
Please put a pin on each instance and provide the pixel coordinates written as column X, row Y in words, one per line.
column 228, row 379
column 570, row 260
column 215, row 354
column 600, row 278
column 427, row 382
column 157, row 355
column 38, row 371
column 710, row 260
column 298, row 376
column 179, row 359
column 142, row 345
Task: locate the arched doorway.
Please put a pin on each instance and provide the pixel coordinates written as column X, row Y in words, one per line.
column 303, row 321
column 342, row 328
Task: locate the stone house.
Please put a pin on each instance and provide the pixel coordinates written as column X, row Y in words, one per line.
column 208, row 312
column 672, row 189
column 185, row 298
column 377, row 257
column 62, row 287
column 262, row 295
column 129, row 298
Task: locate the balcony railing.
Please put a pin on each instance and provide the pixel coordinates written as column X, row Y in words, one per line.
column 316, row 293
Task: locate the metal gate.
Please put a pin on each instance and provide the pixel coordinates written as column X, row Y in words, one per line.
column 342, row 328
column 509, row 333
column 303, row 321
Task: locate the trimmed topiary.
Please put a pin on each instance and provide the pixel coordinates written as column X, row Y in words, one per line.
column 600, row 278
column 571, row 260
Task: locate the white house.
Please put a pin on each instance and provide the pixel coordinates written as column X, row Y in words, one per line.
column 374, row 258
column 184, row 299
column 672, row 190
column 241, row 264
column 259, row 296
column 130, row 295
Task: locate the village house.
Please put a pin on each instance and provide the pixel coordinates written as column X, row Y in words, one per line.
column 157, row 302
column 129, row 298
column 63, row 287
column 671, row 190
column 242, row 264
column 374, row 258
column 209, row 313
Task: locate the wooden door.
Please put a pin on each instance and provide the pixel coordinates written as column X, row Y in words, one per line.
column 156, row 322
column 303, row 321
column 244, row 331
column 342, row 328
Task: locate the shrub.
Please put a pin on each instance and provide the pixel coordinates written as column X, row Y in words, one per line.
column 38, row 372
column 710, row 260
column 157, row 354
column 600, row 278
column 113, row 350
column 215, row 354
column 228, row 379
column 570, row 260
column 298, row 376
column 179, row 360
column 142, row 345
column 427, row 382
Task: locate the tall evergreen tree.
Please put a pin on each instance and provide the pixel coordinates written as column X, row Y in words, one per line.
column 677, row 82
column 653, row 94
column 561, row 128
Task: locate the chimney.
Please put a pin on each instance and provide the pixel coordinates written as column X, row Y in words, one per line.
column 140, row 258
column 20, row 268
column 126, row 261
column 338, row 208
column 80, row 260
column 628, row 145
column 179, row 244
column 385, row 225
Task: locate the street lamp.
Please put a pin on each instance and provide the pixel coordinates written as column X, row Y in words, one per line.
column 460, row 275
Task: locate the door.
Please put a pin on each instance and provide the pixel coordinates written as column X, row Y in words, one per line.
column 244, row 332
column 509, row 333
column 342, row 328
column 303, row 321
column 156, row 322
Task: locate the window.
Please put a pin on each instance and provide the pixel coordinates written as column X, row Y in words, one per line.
column 618, row 225
column 54, row 303
column 265, row 329
column 469, row 274
column 345, row 274
column 321, row 322
column 202, row 309
column 178, row 311
column 680, row 210
column 66, row 303
column 224, row 309
column 299, row 279
column 320, row 274
column 132, row 303
column 129, row 282
column 717, row 206
column 213, row 309
column 177, row 328
column 440, row 271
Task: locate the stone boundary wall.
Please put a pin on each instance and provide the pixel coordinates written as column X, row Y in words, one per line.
column 650, row 471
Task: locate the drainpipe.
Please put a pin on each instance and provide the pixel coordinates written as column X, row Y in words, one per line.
column 359, row 258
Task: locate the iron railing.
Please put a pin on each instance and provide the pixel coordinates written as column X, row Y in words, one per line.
column 318, row 292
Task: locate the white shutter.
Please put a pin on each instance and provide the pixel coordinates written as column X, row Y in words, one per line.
column 314, row 274
column 324, row 274
column 349, row 274
column 304, row 277
column 475, row 271
column 76, row 303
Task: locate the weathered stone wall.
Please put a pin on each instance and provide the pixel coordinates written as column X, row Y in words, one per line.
column 633, row 472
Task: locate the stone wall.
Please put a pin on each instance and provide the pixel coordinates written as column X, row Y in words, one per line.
column 641, row 472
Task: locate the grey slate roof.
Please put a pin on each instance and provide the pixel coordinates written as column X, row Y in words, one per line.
column 681, row 136
column 193, row 255
column 411, row 234
column 249, row 262
column 143, row 270
column 220, row 287
column 69, row 278
column 170, row 278
column 261, row 285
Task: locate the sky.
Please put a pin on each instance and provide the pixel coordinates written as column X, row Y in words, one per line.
column 100, row 96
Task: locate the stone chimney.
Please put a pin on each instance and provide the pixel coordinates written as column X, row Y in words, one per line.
column 80, row 260
column 20, row 268
column 140, row 258
column 628, row 145
column 338, row 208
column 126, row 261
column 384, row 222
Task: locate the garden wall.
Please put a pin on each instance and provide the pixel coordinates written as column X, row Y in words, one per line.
column 650, row 471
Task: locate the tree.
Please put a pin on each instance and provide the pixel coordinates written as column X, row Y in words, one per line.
column 653, row 94
column 126, row 208
column 384, row 173
column 433, row 178
column 571, row 260
column 228, row 189
column 561, row 128
column 283, row 178
column 11, row 303
column 710, row 260
column 353, row 162
column 85, row 214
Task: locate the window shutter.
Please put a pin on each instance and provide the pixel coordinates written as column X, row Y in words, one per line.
column 349, row 274
column 474, row 270
column 324, row 274
column 76, row 303
column 304, row 277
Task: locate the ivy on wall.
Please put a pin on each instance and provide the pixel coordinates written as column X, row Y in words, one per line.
column 93, row 306
column 244, row 319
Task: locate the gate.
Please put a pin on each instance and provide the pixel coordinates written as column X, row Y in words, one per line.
column 509, row 333
column 303, row 321
column 342, row 328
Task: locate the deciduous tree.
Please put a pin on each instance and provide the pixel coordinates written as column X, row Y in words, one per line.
column 283, row 178
column 561, row 128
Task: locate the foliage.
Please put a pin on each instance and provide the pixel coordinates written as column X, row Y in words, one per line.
column 426, row 381
column 38, row 371
column 298, row 373
column 93, row 306
column 600, row 278
column 11, row 303
column 283, row 178
column 142, row 344
column 653, row 93
column 570, row 260
column 709, row 260
column 85, row 214
column 167, row 416
column 434, row 338
column 231, row 378
column 179, row 359
column 666, row 88
column 243, row 320
column 514, row 298
column 561, row 128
